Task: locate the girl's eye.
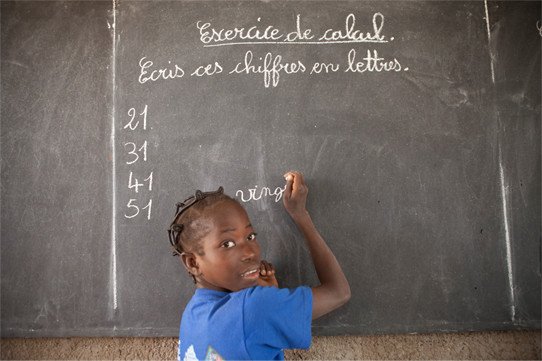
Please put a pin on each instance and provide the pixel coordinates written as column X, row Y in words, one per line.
column 252, row 237
column 228, row 244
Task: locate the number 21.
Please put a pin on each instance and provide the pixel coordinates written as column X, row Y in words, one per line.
column 132, row 114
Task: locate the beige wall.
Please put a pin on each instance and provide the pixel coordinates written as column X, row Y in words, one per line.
column 514, row 345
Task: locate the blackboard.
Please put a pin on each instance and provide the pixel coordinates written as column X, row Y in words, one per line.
column 416, row 124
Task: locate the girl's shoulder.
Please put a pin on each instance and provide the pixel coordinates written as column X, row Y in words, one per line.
column 274, row 297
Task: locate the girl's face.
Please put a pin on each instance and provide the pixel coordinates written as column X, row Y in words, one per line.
column 231, row 254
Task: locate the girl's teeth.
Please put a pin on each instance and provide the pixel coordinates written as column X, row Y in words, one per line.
column 250, row 272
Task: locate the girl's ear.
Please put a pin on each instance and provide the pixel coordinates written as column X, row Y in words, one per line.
column 190, row 263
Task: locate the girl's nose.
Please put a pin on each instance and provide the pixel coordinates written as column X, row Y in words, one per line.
column 250, row 251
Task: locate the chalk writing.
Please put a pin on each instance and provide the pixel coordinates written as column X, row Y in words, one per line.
column 132, row 114
column 133, row 183
column 135, row 209
column 539, row 27
column 254, row 35
column 137, row 122
column 210, row 69
column 255, row 194
column 357, row 35
column 163, row 73
column 135, row 150
column 317, row 68
column 373, row 63
column 271, row 67
column 298, row 35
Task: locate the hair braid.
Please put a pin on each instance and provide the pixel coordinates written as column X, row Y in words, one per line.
column 187, row 227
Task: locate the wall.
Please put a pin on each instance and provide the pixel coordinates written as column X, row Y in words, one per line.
column 512, row 345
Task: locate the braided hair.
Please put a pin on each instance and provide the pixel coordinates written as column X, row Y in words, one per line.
column 188, row 226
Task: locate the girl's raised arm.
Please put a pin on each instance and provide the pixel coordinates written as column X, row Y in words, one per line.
column 334, row 290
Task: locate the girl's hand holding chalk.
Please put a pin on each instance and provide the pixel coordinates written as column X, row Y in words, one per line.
column 295, row 195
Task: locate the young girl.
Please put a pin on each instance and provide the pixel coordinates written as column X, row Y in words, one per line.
column 236, row 313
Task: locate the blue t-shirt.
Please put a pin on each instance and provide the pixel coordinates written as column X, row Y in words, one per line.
column 255, row 323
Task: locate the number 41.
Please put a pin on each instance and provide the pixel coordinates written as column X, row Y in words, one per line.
column 133, row 183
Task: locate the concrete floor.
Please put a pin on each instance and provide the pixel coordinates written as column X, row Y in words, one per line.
column 512, row 345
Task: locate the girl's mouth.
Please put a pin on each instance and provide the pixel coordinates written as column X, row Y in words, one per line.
column 252, row 273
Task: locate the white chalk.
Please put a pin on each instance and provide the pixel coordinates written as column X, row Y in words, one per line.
column 511, row 294
column 113, row 268
column 489, row 42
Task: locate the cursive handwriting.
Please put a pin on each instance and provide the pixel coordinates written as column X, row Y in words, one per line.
column 163, row 73
column 271, row 68
column 299, row 35
column 253, row 194
column 373, row 63
column 220, row 35
column 210, row 69
column 357, row 35
column 254, row 35
column 272, row 65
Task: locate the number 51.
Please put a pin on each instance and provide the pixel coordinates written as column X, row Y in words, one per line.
column 135, row 209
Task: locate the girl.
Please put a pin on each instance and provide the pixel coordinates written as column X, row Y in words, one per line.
column 236, row 313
